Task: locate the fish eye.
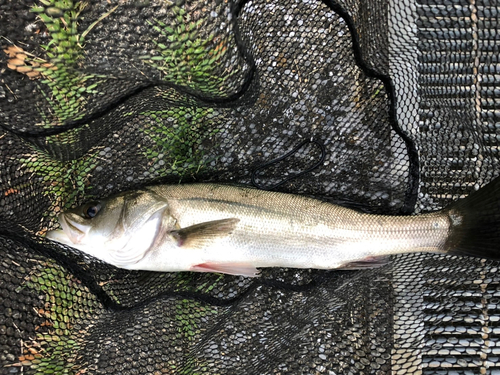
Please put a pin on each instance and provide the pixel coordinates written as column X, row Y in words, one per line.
column 91, row 210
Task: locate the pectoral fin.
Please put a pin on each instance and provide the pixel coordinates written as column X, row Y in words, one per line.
column 198, row 234
column 227, row 268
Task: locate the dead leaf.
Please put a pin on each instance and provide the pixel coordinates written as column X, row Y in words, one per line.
column 11, row 191
column 17, row 61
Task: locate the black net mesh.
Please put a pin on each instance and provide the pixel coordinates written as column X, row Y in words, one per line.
column 388, row 106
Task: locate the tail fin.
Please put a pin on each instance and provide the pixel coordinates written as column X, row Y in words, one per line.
column 475, row 223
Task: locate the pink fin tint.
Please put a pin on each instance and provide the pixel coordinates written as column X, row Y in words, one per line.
column 238, row 269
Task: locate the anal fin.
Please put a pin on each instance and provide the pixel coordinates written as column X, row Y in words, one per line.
column 370, row 262
column 237, row 269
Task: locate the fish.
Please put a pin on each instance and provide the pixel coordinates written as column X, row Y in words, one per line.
column 236, row 230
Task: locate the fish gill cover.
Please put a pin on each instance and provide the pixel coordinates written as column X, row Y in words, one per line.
column 389, row 106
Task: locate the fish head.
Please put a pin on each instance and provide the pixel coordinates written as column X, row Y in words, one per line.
column 118, row 230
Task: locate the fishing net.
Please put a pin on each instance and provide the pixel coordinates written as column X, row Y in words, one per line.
column 390, row 107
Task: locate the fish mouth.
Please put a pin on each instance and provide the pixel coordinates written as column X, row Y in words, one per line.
column 75, row 231
column 58, row 235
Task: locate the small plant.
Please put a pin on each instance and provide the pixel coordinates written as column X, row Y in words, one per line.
column 176, row 147
column 55, row 346
column 188, row 314
column 67, row 86
column 186, row 59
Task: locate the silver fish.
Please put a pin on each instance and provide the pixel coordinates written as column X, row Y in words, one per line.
column 235, row 230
